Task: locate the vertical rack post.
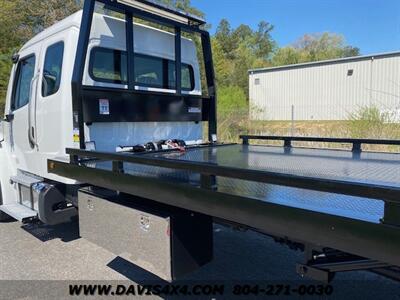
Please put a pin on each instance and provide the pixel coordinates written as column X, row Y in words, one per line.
column 178, row 60
column 212, row 90
column 79, row 67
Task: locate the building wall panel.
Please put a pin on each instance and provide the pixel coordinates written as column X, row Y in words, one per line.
column 331, row 91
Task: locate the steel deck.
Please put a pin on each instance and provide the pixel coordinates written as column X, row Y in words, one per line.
column 369, row 168
column 323, row 197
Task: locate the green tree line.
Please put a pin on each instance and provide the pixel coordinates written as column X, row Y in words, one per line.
column 20, row 20
column 235, row 50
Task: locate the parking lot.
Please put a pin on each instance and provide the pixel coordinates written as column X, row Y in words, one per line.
column 38, row 252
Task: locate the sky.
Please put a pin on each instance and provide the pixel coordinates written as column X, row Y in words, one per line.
column 371, row 25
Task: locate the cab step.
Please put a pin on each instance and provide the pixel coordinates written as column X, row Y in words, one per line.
column 25, row 179
column 25, row 183
column 19, row 212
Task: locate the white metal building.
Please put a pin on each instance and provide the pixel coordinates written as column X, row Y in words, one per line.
column 326, row 90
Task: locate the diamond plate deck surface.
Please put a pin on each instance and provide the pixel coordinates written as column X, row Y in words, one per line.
column 370, row 168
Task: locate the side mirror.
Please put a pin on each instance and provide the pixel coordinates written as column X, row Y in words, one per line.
column 50, row 78
column 49, row 82
column 8, row 118
column 15, row 58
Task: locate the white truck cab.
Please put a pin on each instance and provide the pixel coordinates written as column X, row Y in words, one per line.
column 95, row 82
column 41, row 122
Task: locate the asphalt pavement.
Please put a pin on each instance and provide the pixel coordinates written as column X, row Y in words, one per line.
column 41, row 252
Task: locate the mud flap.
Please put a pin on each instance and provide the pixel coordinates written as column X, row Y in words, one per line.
column 52, row 206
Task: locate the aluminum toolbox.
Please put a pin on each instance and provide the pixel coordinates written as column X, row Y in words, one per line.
column 168, row 242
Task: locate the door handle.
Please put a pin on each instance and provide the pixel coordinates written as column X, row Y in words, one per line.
column 8, row 119
column 32, row 127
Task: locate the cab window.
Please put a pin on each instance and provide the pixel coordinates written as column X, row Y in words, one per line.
column 109, row 65
column 52, row 69
column 22, row 86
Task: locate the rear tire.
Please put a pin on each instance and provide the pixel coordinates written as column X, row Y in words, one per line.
column 3, row 216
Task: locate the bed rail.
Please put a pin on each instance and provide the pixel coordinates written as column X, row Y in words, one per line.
column 387, row 193
column 356, row 143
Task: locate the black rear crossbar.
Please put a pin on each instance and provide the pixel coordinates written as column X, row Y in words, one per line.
column 289, row 139
column 180, row 22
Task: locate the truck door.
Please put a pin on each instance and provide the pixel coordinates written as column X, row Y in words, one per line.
column 49, row 99
column 23, row 131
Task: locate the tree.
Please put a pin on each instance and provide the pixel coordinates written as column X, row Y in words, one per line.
column 242, row 33
column 240, row 49
column 20, row 20
column 325, row 46
column 223, row 67
column 225, row 39
column 286, row 56
column 264, row 45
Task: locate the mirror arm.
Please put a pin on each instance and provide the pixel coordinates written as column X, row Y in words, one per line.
column 8, row 118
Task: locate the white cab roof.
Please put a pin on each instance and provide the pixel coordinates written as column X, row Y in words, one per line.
column 112, row 30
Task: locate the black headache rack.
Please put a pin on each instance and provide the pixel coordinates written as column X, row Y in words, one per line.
column 132, row 104
column 342, row 210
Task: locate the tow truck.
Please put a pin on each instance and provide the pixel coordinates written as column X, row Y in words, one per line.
column 104, row 121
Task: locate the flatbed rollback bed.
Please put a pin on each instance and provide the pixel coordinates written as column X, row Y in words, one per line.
column 157, row 207
column 340, row 207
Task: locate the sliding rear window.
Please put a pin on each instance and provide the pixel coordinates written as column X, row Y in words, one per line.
column 110, row 66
